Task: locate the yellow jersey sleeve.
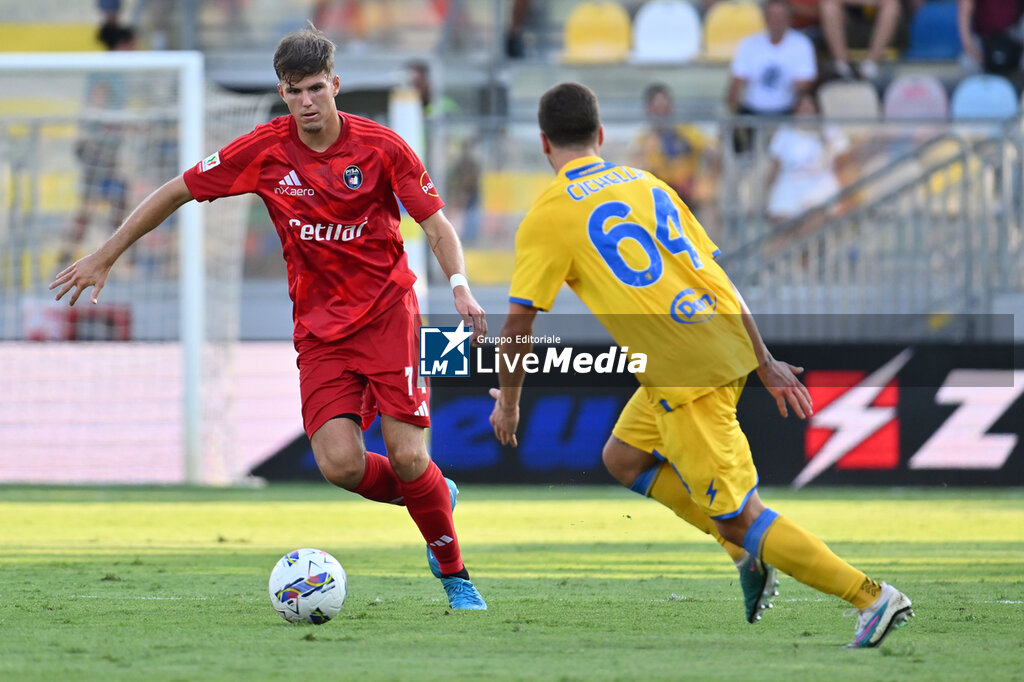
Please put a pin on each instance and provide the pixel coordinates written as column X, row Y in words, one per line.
column 543, row 262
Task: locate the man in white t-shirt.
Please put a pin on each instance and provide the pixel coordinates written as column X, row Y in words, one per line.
column 771, row 69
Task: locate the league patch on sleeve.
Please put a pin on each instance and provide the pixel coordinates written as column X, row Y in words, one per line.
column 211, row 161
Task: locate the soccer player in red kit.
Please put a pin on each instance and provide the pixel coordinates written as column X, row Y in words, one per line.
column 329, row 181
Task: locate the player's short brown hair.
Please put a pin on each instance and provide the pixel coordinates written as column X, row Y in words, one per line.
column 569, row 115
column 302, row 53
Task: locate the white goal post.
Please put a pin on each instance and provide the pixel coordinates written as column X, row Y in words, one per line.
column 70, row 163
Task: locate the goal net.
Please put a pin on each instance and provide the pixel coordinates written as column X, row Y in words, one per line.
column 138, row 388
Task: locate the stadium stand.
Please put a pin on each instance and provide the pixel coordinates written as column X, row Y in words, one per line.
column 726, row 24
column 597, row 31
column 933, row 32
column 666, row 31
column 915, row 96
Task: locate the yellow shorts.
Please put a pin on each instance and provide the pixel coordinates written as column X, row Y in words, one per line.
column 702, row 440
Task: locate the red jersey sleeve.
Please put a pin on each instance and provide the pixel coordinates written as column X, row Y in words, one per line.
column 233, row 170
column 412, row 184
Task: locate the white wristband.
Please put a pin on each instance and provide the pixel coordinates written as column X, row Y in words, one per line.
column 458, row 280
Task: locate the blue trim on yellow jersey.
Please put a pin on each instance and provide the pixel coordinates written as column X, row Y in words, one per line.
column 521, row 301
column 588, row 169
column 681, row 480
column 755, row 534
column 664, row 403
column 716, row 254
column 743, row 504
column 645, row 480
column 662, row 458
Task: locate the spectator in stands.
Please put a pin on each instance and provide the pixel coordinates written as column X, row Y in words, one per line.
column 419, row 79
column 805, row 156
column 159, row 23
column 771, row 69
column 806, row 17
column 99, row 141
column 464, row 191
column 676, row 153
column 833, row 26
column 991, row 34
column 515, row 45
column 526, row 32
column 341, row 19
column 116, row 37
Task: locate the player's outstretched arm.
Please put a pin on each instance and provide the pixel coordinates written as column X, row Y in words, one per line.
column 780, row 378
column 92, row 270
column 514, row 339
column 444, row 242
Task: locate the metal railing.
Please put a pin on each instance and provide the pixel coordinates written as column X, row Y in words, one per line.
column 914, row 249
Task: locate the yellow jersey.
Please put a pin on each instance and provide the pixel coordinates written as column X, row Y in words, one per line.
column 635, row 255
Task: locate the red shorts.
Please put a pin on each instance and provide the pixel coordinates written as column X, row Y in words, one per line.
column 375, row 370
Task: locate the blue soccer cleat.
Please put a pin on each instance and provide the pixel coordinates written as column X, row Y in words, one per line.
column 463, row 595
column 758, row 581
column 435, row 567
column 890, row 611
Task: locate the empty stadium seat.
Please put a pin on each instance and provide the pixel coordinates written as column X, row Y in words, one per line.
column 849, row 100
column 596, row 32
column 933, row 32
column 984, row 96
column 666, row 31
column 52, row 37
column 916, row 96
column 726, row 24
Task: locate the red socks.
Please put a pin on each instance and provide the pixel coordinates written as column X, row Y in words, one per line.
column 379, row 483
column 428, row 500
column 430, row 505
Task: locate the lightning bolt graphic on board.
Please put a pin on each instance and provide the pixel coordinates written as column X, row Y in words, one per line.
column 852, row 418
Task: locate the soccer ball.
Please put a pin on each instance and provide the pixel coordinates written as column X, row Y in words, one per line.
column 308, row 585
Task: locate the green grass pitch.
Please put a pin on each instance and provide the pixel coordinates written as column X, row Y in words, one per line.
column 582, row 583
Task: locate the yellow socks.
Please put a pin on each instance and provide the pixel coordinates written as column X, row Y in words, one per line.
column 668, row 489
column 789, row 548
column 776, row 540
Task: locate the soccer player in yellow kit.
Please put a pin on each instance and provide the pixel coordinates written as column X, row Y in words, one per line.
column 635, row 255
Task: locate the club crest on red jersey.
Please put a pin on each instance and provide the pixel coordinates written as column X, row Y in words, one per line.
column 353, row 177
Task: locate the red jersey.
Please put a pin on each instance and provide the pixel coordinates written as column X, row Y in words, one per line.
column 335, row 211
